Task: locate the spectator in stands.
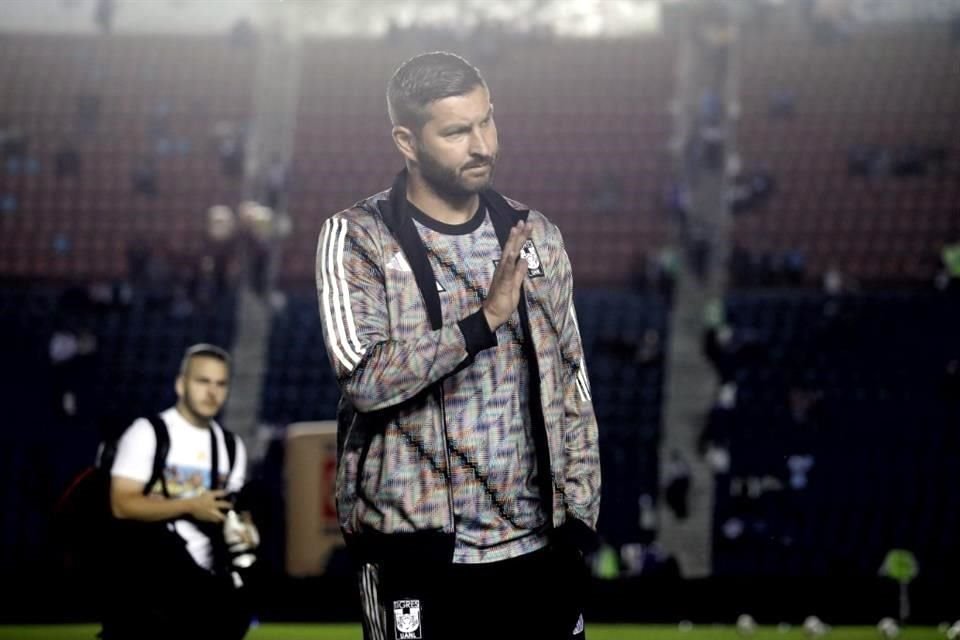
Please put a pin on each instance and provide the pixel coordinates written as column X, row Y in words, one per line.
column 159, row 280
column 729, row 349
column 951, row 258
column 138, row 260
column 799, row 441
column 648, row 559
column 648, row 520
column 834, row 282
column 62, row 243
column 242, row 34
column 159, row 129
column 677, row 200
column 145, row 176
column 182, row 290
column 804, row 402
column 676, row 488
column 229, row 140
column 667, row 267
column 742, row 267
column 14, row 146
column 469, row 465
column 220, row 259
column 875, row 161
column 947, row 276
column 782, row 104
column 714, row 441
column 66, row 162
column 188, row 527
column 699, row 248
column 650, row 350
column 658, row 273
column 275, row 183
column 645, row 351
column 794, row 267
column 918, row 160
column 256, row 233
column 8, row 203
column 72, row 348
column 709, row 141
column 606, row 193
column 750, row 190
column 831, row 20
column 720, row 350
column 88, row 112
column 866, row 160
column 231, row 157
column 103, row 15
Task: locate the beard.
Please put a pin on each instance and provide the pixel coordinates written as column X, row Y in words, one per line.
column 450, row 182
column 200, row 409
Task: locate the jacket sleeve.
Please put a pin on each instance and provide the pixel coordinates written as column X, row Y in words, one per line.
column 375, row 369
column 582, row 473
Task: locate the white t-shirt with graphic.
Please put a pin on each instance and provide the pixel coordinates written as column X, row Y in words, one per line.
column 187, row 471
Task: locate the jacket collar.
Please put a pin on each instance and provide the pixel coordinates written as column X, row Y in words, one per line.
column 392, row 205
column 393, row 210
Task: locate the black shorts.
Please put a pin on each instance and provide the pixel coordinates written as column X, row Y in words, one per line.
column 538, row 595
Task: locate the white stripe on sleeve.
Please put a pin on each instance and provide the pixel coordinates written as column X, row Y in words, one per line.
column 347, row 309
column 328, row 296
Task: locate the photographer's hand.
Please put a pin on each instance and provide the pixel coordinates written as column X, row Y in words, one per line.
column 128, row 503
column 209, row 506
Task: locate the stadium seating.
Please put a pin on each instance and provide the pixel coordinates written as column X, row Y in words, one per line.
column 882, row 439
column 157, row 97
column 884, row 88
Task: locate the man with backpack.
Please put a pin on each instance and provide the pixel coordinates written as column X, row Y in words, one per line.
column 178, row 547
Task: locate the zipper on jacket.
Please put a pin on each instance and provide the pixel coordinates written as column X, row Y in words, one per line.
column 446, row 457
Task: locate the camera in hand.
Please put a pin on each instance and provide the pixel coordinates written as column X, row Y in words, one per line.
column 241, row 538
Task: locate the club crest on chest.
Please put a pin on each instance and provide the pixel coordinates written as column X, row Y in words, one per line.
column 529, row 253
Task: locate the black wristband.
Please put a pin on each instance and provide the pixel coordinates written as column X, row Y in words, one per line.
column 477, row 333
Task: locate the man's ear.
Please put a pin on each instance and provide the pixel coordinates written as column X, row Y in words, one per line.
column 406, row 142
column 178, row 386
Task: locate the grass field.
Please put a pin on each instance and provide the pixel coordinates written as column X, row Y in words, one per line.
column 594, row 632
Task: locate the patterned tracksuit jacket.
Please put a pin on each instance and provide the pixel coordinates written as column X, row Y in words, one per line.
column 385, row 337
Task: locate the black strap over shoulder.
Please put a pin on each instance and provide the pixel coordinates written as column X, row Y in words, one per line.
column 231, row 441
column 159, row 456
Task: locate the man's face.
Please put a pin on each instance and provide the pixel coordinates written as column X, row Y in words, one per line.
column 203, row 387
column 457, row 147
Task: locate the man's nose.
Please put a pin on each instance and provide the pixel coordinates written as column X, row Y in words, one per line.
column 478, row 144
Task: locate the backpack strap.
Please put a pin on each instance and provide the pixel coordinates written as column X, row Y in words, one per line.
column 159, row 456
column 230, row 441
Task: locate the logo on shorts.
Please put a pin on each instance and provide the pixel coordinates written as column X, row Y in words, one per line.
column 579, row 627
column 406, row 616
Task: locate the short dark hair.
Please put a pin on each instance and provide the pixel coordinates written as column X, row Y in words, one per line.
column 424, row 79
column 205, row 350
